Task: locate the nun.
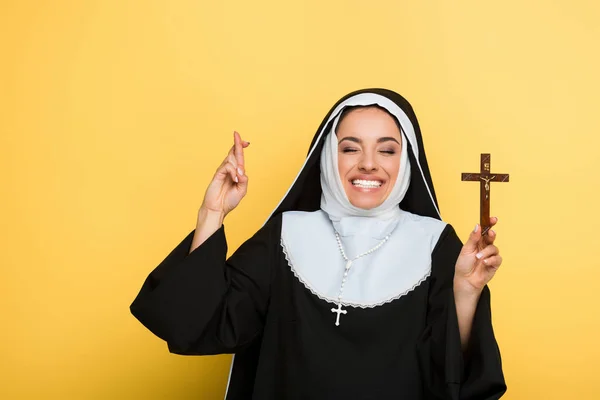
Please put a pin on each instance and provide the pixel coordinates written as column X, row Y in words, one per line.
column 354, row 288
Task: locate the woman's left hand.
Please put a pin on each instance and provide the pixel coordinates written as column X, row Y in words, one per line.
column 478, row 261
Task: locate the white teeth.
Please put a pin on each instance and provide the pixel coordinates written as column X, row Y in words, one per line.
column 366, row 184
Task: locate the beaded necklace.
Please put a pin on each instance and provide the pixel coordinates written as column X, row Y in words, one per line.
column 349, row 262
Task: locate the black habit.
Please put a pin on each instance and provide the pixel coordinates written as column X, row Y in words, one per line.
column 283, row 337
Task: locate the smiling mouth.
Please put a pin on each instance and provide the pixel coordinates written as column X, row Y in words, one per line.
column 366, row 184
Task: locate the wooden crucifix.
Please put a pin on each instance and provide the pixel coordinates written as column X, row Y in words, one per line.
column 484, row 178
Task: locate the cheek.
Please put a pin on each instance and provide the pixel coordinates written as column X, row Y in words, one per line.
column 345, row 164
column 392, row 166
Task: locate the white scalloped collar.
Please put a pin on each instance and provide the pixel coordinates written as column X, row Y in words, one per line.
column 400, row 265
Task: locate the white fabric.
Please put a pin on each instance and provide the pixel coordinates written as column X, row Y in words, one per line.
column 348, row 219
column 334, row 200
column 389, row 273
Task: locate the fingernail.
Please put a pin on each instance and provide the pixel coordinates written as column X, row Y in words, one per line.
column 236, row 179
column 485, row 261
column 476, row 227
column 493, row 231
column 479, row 255
column 240, row 171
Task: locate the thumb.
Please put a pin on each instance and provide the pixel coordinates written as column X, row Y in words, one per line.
column 242, row 182
column 474, row 238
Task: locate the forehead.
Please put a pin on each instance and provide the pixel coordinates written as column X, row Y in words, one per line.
column 367, row 121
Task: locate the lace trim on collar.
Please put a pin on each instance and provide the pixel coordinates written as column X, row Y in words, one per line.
column 307, row 284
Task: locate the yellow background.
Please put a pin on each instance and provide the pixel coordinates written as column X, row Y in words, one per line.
column 115, row 114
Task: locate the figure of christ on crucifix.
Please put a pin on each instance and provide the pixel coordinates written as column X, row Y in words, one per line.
column 484, row 177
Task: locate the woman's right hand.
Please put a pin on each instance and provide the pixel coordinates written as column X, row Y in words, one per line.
column 230, row 183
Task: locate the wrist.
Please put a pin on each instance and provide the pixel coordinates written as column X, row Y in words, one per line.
column 209, row 221
column 464, row 290
column 212, row 217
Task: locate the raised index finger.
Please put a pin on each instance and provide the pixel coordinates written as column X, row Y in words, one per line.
column 239, row 150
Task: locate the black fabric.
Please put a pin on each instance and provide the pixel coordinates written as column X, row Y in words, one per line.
column 190, row 295
column 285, row 342
column 408, row 348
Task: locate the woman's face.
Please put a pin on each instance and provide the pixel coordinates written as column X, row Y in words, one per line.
column 369, row 145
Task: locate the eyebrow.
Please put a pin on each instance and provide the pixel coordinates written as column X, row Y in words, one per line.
column 380, row 140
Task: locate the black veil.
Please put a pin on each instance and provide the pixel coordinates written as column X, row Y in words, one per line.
column 305, row 193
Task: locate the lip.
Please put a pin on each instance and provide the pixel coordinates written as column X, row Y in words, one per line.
column 366, row 190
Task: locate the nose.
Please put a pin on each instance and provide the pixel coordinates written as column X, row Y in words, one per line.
column 367, row 163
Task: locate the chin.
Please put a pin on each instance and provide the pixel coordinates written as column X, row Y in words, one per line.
column 365, row 204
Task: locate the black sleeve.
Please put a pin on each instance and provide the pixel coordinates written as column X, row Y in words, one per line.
column 447, row 372
column 200, row 303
